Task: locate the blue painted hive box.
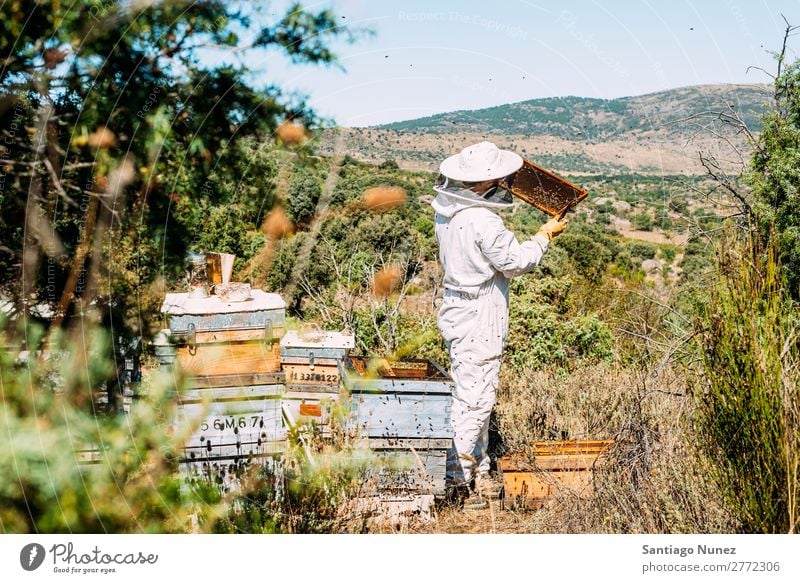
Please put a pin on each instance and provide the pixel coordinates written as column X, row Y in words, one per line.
column 400, row 399
column 232, row 424
column 310, row 361
column 407, row 466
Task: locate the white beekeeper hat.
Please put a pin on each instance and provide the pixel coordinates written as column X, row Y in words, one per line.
column 479, row 162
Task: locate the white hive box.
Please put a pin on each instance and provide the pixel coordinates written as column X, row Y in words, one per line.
column 310, row 363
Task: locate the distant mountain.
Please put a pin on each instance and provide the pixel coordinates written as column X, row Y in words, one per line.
column 655, row 133
column 585, row 118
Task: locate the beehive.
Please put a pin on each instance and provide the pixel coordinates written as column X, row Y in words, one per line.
column 230, row 414
column 312, row 358
column 554, row 468
column 408, row 466
column 229, row 427
column 217, row 338
column 409, row 399
column 310, row 361
column 402, row 410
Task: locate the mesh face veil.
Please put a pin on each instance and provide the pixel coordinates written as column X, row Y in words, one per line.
column 496, row 192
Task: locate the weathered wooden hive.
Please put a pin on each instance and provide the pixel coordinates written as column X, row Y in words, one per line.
column 232, row 406
column 402, row 409
column 550, row 469
column 310, row 360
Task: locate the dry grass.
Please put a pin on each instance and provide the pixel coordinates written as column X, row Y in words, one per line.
column 384, row 198
column 654, row 480
column 277, row 225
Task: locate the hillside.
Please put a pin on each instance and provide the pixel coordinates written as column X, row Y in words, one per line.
column 657, row 133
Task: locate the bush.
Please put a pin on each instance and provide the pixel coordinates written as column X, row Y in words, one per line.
column 748, row 396
column 540, row 335
column 304, row 192
column 642, row 250
column 643, row 221
column 48, row 420
column 667, row 254
column 590, row 249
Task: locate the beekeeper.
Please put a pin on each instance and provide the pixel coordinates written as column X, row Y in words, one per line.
column 479, row 256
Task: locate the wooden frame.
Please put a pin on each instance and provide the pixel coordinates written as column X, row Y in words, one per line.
column 545, row 190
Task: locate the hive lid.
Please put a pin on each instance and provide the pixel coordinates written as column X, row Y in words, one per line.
column 178, row 304
column 326, row 339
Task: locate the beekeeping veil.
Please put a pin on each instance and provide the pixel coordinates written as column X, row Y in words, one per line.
column 474, row 174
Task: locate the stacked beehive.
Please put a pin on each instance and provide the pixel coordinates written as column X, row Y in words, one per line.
column 232, row 408
column 245, row 390
column 402, row 410
column 310, row 361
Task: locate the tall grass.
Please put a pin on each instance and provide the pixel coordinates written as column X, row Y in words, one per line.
column 653, row 480
column 747, row 395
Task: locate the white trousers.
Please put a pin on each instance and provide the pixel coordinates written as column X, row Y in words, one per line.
column 475, row 328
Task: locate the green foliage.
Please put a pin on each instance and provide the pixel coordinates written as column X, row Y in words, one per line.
column 389, row 165
column 137, row 119
column 748, row 402
column 642, row 250
column 226, row 230
column 775, row 174
column 642, row 221
column 283, row 262
column 667, row 253
column 425, row 226
column 696, row 258
column 49, row 417
column 590, row 249
column 304, row 192
column 540, row 333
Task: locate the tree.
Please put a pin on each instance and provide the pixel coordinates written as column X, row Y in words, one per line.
column 304, row 192
column 110, row 141
column 775, row 170
column 748, row 407
column 643, row 221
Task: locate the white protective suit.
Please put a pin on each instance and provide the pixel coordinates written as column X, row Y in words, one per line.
column 479, row 255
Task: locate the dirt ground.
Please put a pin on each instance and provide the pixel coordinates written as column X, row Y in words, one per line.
column 496, row 519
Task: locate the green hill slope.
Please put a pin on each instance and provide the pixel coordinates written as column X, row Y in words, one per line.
column 583, row 118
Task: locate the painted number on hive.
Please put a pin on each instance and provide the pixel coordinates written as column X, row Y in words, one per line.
column 223, row 423
column 312, row 376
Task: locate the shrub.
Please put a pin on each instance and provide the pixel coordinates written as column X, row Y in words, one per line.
column 642, row 250
column 590, row 249
column 48, row 420
column 643, row 221
column 304, row 192
column 748, row 396
column 667, row 254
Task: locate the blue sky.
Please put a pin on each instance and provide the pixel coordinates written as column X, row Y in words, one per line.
column 431, row 57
